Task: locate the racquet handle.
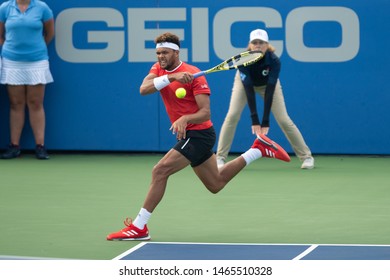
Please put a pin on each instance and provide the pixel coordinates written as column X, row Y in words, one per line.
column 201, row 73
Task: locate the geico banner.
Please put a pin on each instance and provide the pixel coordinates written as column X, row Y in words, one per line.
column 334, row 71
column 117, row 29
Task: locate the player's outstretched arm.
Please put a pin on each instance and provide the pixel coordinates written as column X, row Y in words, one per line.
column 149, row 85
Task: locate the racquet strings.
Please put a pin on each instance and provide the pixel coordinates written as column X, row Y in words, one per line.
column 244, row 59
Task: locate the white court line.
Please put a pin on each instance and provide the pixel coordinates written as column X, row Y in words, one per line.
column 306, row 252
column 130, row 250
column 266, row 244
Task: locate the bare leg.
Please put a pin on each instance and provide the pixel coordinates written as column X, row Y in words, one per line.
column 35, row 96
column 17, row 97
column 214, row 179
column 172, row 162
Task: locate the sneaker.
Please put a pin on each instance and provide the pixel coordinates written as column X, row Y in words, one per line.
column 130, row 232
column 40, row 152
column 220, row 162
column 308, row 163
column 269, row 148
column 13, row 151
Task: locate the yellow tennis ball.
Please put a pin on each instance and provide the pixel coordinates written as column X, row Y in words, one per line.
column 180, row 93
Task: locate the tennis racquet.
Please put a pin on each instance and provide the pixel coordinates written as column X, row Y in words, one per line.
column 241, row 60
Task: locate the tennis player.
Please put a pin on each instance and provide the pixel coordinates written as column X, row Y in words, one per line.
column 190, row 118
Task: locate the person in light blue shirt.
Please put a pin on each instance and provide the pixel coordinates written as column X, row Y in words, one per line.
column 26, row 28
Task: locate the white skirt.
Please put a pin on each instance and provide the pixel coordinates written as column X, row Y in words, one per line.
column 25, row 72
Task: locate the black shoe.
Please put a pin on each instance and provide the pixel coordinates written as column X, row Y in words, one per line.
column 40, row 152
column 13, row 151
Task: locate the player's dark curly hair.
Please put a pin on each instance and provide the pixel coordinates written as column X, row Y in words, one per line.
column 168, row 37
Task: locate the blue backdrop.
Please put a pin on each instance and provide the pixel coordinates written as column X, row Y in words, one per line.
column 334, row 67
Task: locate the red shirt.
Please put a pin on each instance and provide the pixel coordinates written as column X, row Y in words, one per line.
column 177, row 107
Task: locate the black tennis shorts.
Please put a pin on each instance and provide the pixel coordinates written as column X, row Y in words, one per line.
column 198, row 145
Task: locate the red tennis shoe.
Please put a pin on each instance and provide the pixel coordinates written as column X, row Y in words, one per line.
column 130, row 232
column 270, row 148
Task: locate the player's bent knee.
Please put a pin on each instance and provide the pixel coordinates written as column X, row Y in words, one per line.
column 162, row 170
column 214, row 189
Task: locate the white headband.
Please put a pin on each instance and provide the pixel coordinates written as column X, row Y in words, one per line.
column 170, row 45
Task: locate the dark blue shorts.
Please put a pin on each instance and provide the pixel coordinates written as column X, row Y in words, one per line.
column 198, row 145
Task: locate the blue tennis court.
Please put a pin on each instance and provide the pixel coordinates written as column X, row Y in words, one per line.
column 212, row 251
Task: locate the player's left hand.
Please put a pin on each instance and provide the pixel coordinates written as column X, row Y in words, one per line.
column 179, row 127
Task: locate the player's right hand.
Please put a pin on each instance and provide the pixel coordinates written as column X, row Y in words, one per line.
column 182, row 77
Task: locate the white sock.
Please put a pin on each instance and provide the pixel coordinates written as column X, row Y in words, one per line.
column 251, row 155
column 142, row 218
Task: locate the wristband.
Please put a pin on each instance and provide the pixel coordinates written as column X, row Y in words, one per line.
column 161, row 82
